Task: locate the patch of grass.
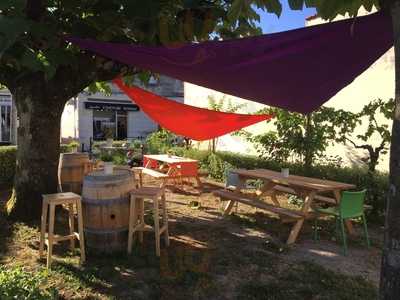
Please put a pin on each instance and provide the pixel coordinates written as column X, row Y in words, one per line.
column 18, row 283
column 307, row 281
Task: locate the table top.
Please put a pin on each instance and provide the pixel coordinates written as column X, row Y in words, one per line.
column 169, row 159
column 294, row 180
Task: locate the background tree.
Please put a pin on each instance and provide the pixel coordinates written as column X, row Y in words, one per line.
column 224, row 105
column 43, row 71
column 374, row 113
column 299, row 137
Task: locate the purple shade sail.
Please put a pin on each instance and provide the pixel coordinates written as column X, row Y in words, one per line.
column 297, row 70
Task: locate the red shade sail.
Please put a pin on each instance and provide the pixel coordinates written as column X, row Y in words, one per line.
column 193, row 122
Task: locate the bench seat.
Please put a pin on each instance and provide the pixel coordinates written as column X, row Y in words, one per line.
column 228, row 195
column 288, row 190
column 152, row 173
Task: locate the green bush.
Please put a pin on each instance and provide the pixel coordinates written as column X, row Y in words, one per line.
column 7, row 164
column 8, row 157
column 160, row 142
column 17, row 283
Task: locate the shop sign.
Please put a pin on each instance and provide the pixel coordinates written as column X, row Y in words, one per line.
column 111, row 106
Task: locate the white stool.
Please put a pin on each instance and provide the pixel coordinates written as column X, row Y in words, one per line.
column 52, row 200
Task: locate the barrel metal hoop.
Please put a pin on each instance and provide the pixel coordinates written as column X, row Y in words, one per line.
column 91, row 181
column 106, row 202
column 104, row 231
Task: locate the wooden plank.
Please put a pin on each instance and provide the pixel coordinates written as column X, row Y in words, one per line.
column 257, row 203
column 293, row 180
column 154, row 173
column 169, row 159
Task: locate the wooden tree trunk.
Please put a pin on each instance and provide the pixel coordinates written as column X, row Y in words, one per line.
column 308, row 151
column 38, row 149
column 390, row 273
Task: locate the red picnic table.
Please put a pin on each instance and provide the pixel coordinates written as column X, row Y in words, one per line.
column 176, row 167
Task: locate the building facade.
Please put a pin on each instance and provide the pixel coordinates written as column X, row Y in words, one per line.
column 90, row 117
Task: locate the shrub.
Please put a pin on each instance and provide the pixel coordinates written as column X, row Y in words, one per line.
column 7, row 164
column 17, row 283
column 161, row 141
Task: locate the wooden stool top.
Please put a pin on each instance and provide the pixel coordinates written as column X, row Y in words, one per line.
column 61, row 198
column 147, row 192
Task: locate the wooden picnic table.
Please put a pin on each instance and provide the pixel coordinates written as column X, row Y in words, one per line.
column 176, row 167
column 304, row 187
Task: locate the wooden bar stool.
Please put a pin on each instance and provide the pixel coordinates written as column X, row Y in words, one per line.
column 52, row 200
column 138, row 171
column 136, row 216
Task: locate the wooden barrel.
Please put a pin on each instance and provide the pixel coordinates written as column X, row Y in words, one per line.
column 105, row 208
column 71, row 170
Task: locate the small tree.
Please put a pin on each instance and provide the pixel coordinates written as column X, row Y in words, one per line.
column 222, row 105
column 298, row 137
column 364, row 140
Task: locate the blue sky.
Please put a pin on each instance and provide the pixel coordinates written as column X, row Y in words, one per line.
column 289, row 19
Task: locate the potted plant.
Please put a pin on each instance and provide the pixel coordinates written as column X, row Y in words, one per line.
column 73, row 146
column 107, row 158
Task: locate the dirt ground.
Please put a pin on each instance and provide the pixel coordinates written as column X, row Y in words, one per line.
column 210, row 257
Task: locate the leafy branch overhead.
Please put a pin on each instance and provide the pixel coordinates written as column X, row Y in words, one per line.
column 32, row 31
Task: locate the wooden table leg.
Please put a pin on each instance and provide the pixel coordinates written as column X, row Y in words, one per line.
column 50, row 239
column 348, row 223
column 294, row 232
column 198, row 181
column 71, row 225
column 239, row 187
column 45, row 207
column 267, row 190
column 228, row 207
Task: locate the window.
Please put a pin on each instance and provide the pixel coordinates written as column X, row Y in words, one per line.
column 5, row 119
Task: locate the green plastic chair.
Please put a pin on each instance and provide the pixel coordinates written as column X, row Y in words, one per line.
column 351, row 206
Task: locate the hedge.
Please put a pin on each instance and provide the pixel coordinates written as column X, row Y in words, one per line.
column 8, row 155
column 220, row 163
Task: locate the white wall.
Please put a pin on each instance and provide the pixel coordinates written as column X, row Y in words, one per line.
column 199, row 96
column 376, row 82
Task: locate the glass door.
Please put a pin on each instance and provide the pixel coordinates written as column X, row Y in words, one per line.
column 122, row 125
column 5, row 123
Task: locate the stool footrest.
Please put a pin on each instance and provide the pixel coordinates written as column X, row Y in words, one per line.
column 142, row 227
column 162, row 229
column 59, row 238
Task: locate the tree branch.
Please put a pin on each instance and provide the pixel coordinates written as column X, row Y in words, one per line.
column 34, row 9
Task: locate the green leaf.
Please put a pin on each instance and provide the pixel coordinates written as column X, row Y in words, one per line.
column 274, row 6
column 10, row 29
column 31, row 61
column 296, row 4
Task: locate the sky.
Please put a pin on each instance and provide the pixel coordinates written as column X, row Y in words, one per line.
column 289, row 19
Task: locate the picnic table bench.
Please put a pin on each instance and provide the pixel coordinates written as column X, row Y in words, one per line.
column 228, row 195
column 176, row 168
column 309, row 189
